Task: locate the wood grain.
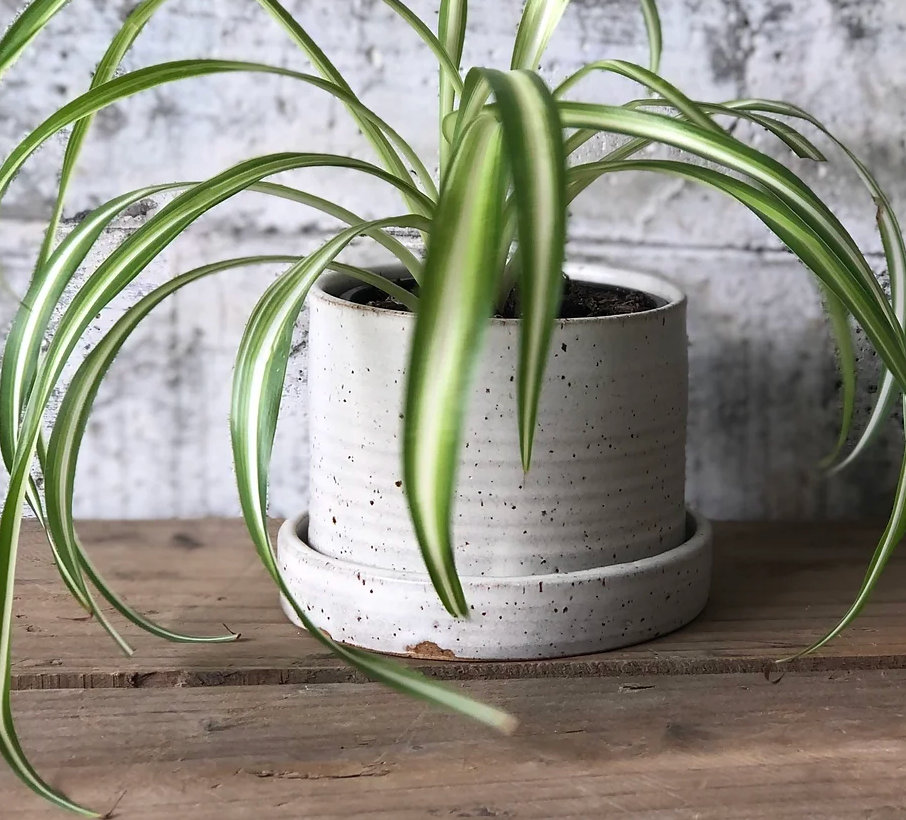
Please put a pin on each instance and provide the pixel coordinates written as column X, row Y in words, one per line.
column 777, row 587
column 825, row 745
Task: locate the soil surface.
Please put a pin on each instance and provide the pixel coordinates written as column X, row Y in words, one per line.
column 580, row 300
column 373, row 297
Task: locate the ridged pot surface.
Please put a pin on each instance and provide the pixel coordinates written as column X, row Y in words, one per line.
column 608, row 476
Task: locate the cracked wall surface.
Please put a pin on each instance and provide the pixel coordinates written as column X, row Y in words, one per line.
column 763, row 387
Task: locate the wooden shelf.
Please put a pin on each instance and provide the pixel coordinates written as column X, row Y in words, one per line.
column 273, row 726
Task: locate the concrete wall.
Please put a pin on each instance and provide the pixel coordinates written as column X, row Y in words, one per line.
column 763, row 386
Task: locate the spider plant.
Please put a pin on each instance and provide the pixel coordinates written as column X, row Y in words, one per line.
column 493, row 218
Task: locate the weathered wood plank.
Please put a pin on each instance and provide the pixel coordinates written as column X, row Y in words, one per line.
column 673, row 748
column 777, row 587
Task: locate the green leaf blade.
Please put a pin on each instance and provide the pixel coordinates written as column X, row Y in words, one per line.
column 475, row 94
column 893, row 535
column 800, row 237
column 115, row 273
column 143, row 79
column 534, row 139
column 894, row 252
column 330, row 72
column 119, row 269
column 257, row 388
column 795, row 140
column 653, row 30
column 455, row 304
column 795, row 230
column 21, row 361
column 72, row 420
column 261, row 369
column 731, row 153
column 650, row 80
column 452, row 33
column 28, row 25
column 536, row 26
column 32, row 320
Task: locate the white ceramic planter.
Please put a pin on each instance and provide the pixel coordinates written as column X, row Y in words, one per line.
column 516, row 618
column 602, row 506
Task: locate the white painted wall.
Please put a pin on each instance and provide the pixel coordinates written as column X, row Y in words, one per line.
column 763, row 406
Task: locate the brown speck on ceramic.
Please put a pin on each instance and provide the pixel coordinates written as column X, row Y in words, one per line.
column 429, row 649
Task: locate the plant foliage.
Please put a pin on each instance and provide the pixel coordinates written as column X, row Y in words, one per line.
column 495, row 218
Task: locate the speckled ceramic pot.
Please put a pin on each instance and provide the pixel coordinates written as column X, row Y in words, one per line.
column 606, row 489
column 515, row 618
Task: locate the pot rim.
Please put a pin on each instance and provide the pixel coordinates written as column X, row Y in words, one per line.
column 324, row 290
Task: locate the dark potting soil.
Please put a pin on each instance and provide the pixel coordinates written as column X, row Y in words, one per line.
column 376, row 298
column 580, row 300
column 382, row 300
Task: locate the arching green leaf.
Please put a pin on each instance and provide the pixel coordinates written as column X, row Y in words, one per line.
column 795, row 140
column 137, row 81
column 257, row 389
column 792, row 227
column 329, row 71
column 20, row 363
column 456, row 301
column 653, row 29
column 671, row 94
column 534, row 142
column 111, row 277
column 733, row 154
column 538, row 23
column 451, row 29
column 25, row 28
column 72, row 420
column 69, row 429
column 894, row 253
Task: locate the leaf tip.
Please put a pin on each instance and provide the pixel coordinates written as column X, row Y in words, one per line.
column 234, row 636
column 508, row 724
column 526, row 447
column 457, row 605
column 774, row 671
column 112, row 812
column 834, row 468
